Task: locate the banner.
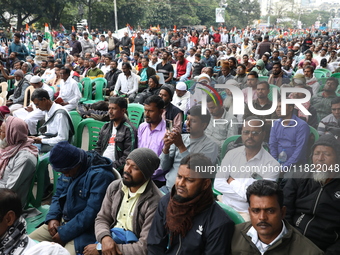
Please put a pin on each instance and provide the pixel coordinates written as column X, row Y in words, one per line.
column 220, row 14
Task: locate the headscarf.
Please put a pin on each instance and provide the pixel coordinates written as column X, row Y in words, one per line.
column 29, row 67
column 263, row 71
column 17, row 139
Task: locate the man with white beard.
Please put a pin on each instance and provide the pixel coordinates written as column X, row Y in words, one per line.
column 313, row 205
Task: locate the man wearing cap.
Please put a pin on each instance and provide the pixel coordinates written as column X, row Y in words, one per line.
column 183, row 67
column 30, row 114
column 4, row 111
column 188, row 220
column 18, row 157
column 129, row 205
column 171, row 112
column 80, row 192
column 181, row 98
column 94, row 72
column 42, row 49
column 313, row 203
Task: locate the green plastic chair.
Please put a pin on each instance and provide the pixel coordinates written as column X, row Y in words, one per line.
column 76, row 119
column 263, row 78
column 80, row 86
column 135, row 113
column 94, row 127
column 336, row 75
column 314, row 132
column 271, row 87
column 233, row 215
column 100, row 83
column 319, row 74
column 225, row 145
column 326, row 71
column 322, row 81
column 189, row 83
column 338, row 91
column 87, row 93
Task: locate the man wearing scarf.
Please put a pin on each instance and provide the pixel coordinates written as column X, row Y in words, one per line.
column 18, row 157
column 278, row 77
column 13, row 237
column 188, row 220
column 311, row 80
column 16, row 100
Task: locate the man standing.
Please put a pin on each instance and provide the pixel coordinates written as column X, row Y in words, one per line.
column 313, row 203
column 129, row 206
column 244, row 159
column 268, row 232
column 69, row 95
column 87, row 45
column 126, row 43
column 80, row 192
column 75, row 45
column 113, row 44
column 18, row 158
column 118, row 137
column 41, row 48
column 139, row 42
column 188, row 220
column 18, row 47
column 264, row 47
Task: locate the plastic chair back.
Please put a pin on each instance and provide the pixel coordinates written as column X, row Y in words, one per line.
column 225, row 145
column 80, row 86
column 327, row 72
column 314, row 132
column 336, row 75
column 322, row 81
column 4, row 86
column 233, row 215
column 93, row 128
column 271, row 87
column 87, row 93
column 100, row 84
column 136, row 113
column 263, row 78
column 27, row 97
column 319, row 74
column 76, row 119
column 189, row 83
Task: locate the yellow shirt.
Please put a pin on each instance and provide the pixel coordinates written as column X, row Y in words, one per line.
column 127, row 207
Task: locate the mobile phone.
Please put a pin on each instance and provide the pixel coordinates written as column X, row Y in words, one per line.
column 169, row 125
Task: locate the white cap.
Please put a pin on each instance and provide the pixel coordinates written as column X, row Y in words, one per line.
column 35, row 79
column 202, row 75
column 181, row 86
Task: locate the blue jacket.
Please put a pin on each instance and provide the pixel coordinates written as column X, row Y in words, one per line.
column 20, row 49
column 79, row 199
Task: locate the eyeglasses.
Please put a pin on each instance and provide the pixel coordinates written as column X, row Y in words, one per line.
column 254, row 133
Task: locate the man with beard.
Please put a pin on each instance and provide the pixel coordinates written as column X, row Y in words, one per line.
column 233, row 184
column 127, row 83
column 188, row 220
column 278, row 77
column 268, row 232
column 112, row 77
column 183, row 67
column 165, row 68
column 313, row 203
column 128, row 207
column 118, row 137
column 311, row 81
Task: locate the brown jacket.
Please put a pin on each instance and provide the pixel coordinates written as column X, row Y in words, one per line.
column 142, row 216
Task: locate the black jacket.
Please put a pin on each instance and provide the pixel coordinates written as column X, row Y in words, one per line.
column 125, row 141
column 315, row 211
column 111, row 78
column 211, row 233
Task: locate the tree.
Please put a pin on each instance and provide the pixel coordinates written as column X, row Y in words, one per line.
column 242, row 13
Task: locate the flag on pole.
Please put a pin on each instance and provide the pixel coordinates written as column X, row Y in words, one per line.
column 48, row 36
column 129, row 29
column 175, row 28
column 73, row 30
column 63, row 29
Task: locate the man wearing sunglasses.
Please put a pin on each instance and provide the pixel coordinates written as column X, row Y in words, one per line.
column 243, row 165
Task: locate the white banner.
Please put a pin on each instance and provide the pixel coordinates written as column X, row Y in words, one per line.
column 220, row 14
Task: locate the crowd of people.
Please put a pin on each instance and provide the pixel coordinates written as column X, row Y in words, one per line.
column 145, row 188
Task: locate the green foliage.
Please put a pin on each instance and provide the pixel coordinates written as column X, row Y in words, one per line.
column 242, row 13
column 308, row 19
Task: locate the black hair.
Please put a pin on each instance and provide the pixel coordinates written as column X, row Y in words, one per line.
column 242, row 66
column 197, row 160
column 308, row 52
column 253, row 118
column 156, row 100
column 67, row 71
column 334, row 80
column 40, row 94
column 212, row 99
column 108, row 56
column 146, row 58
column 127, row 65
column 277, row 63
column 335, row 100
column 254, row 74
column 120, row 101
column 9, row 201
column 50, row 61
column 198, row 55
column 265, row 188
column 17, row 35
column 234, row 60
column 266, row 83
column 197, row 111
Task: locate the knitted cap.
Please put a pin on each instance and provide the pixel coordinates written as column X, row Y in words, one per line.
column 328, row 140
column 64, row 156
column 169, row 89
column 146, row 160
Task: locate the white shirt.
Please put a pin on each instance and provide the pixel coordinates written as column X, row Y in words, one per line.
column 234, row 194
column 102, row 47
column 105, row 69
column 69, row 91
column 59, row 125
column 191, row 58
column 183, row 102
column 153, row 65
column 110, row 149
column 262, row 247
column 48, row 75
column 127, row 85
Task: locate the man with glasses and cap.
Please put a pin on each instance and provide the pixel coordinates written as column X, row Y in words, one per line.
column 80, row 191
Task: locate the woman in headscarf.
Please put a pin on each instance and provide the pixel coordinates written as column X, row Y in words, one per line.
column 16, row 100
column 27, row 69
column 260, row 69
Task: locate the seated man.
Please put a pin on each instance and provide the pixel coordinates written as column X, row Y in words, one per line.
column 69, row 94
column 268, row 232
column 252, row 80
column 251, row 157
column 18, row 157
column 118, row 137
column 145, row 73
column 58, row 123
column 80, row 192
column 171, row 112
column 311, row 80
column 188, row 220
column 49, row 73
column 16, row 100
column 278, row 76
column 181, row 98
column 130, row 205
column 177, row 146
column 13, row 237
column 94, row 72
column 313, row 203
column 331, row 120
column 112, row 76
column 127, row 83
column 222, row 123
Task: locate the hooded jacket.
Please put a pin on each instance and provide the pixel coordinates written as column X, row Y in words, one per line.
column 78, row 199
column 263, row 71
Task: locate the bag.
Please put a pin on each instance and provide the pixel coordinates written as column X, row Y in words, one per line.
column 121, row 236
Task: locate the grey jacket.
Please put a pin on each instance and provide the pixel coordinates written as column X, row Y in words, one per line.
column 141, row 219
